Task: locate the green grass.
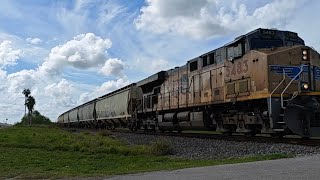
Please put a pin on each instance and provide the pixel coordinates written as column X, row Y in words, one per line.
column 39, row 152
column 52, row 139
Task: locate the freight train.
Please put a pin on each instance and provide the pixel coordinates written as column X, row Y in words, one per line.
column 264, row 82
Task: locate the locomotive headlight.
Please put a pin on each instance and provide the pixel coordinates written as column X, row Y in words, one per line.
column 305, row 86
column 305, row 54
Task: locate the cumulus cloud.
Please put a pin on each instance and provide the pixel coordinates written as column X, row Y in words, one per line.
column 28, row 51
column 34, row 41
column 3, row 78
column 112, row 67
column 60, row 93
column 8, row 55
column 211, row 18
column 16, row 82
column 84, row 51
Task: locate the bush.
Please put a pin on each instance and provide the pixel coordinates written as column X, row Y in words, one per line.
column 36, row 118
column 160, row 147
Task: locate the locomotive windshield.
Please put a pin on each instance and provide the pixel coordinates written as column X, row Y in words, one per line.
column 268, row 38
column 266, row 43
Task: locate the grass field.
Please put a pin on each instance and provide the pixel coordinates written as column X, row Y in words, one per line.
column 42, row 152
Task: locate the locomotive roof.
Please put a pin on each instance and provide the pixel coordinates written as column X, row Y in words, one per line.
column 256, row 33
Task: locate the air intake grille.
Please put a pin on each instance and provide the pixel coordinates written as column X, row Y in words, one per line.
column 243, row 86
column 230, row 88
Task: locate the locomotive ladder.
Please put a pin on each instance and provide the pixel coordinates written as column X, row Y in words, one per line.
column 301, row 70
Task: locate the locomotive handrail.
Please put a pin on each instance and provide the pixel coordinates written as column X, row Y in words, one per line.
column 270, row 102
column 301, row 70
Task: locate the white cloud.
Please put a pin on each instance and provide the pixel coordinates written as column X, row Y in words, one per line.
column 153, row 65
column 8, row 55
column 112, row 67
column 28, row 51
column 211, row 18
column 111, row 86
column 16, row 82
column 3, row 78
column 108, row 11
column 84, row 51
column 34, row 41
column 76, row 16
column 60, row 93
column 80, row 15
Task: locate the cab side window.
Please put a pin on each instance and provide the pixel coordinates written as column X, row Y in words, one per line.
column 193, row 66
column 235, row 50
column 204, row 61
column 208, row 59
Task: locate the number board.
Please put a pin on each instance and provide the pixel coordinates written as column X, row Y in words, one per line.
column 237, row 68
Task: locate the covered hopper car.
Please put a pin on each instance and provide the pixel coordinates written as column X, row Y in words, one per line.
column 266, row 81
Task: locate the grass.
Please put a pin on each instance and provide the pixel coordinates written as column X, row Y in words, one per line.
column 40, row 152
column 53, row 139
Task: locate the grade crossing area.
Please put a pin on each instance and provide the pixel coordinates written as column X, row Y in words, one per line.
column 307, row 168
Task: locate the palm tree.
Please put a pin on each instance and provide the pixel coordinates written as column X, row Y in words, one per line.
column 26, row 93
column 30, row 104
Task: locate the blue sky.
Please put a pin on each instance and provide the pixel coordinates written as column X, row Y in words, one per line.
column 68, row 52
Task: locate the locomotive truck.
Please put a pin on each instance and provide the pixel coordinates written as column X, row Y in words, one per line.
column 264, row 82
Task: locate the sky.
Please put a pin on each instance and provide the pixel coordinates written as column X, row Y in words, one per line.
column 69, row 52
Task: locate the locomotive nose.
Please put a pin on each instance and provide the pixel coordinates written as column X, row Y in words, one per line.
column 302, row 116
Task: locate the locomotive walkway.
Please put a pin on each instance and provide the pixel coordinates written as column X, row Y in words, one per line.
column 294, row 168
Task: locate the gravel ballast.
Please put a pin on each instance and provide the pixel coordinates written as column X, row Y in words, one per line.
column 196, row 148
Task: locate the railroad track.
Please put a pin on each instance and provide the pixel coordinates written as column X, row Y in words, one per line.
column 238, row 138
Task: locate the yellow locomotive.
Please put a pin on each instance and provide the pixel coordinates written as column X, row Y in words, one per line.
column 266, row 81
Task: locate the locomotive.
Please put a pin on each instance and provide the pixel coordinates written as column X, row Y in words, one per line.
column 264, row 82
